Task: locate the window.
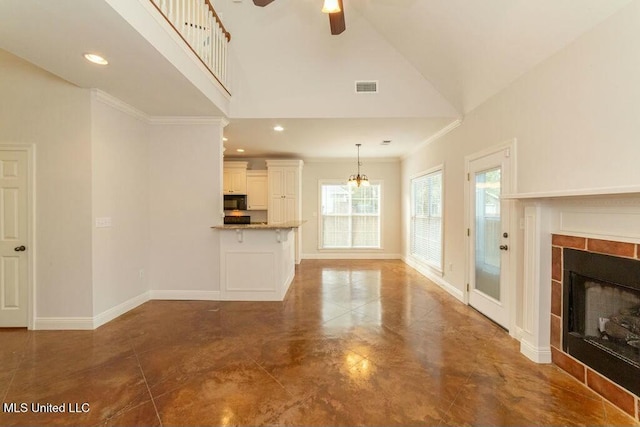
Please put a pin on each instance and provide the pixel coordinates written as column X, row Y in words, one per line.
column 426, row 218
column 350, row 216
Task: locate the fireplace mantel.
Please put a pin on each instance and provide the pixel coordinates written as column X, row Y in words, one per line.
column 605, row 217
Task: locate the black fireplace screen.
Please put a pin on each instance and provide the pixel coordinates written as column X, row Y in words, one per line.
column 601, row 314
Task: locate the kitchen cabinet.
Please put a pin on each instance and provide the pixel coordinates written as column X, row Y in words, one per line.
column 285, row 195
column 234, row 178
column 257, row 190
column 257, row 262
column 284, row 179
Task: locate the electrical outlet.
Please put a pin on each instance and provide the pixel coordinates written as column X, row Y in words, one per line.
column 141, row 273
column 103, row 222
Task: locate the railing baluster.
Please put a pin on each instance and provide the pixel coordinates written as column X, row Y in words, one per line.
column 217, row 50
column 210, row 48
column 223, row 62
column 223, row 72
column 221, row 42
column 200, row 27
column 183, row 15
column 216, row 38
column 192, row 27
column 203, row 27
column 207, row 46
column 187, row 19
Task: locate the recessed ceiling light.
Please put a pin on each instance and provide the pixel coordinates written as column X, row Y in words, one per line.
column 225, row 139
column 278, row 128
column 96, row 59
column 240, row 150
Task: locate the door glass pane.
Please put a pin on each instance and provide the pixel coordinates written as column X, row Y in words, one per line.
column 487, row 188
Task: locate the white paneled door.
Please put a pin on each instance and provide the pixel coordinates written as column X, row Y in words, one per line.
column 14, row 293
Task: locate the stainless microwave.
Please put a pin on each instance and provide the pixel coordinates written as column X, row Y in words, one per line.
column 235, row 202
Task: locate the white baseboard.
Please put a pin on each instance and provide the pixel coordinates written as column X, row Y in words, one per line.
column 90, row 323
column 119, row 310
column 437, row 279
column 287, row 283
column 185, row 295
column 63, row 323
column 536, row 354
column 517, row 333
column 351, row 255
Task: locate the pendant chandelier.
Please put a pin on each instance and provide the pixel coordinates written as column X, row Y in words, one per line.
column 358, row 180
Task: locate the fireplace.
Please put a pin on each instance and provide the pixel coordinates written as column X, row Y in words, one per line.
column 601, row 314
column 595, row 304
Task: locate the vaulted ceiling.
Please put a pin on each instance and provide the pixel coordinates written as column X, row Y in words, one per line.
column 434, row 61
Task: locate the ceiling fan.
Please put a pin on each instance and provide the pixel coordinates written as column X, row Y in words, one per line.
column 331, row 7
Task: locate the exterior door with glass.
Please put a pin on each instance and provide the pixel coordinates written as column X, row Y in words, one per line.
column 488, row 233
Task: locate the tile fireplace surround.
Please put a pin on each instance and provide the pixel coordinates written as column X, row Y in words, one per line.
column 611, row 391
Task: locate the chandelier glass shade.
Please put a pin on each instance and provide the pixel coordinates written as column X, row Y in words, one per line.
column 358, row 179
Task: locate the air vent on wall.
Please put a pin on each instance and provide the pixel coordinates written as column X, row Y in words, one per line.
column 367, row 86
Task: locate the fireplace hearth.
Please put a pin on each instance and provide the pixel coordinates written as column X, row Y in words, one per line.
column 601, row 314
column 595, row 298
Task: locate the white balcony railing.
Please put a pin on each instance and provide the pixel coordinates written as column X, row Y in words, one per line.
column 200, row 27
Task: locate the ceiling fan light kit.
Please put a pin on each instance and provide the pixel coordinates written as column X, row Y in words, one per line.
column 333, row 8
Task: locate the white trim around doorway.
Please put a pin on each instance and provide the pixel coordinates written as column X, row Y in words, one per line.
column 511, row 146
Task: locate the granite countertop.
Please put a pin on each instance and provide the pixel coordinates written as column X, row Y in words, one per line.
column 259, row 226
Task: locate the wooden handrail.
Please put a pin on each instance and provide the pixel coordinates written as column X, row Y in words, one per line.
column 227, row 34
column 208, row 41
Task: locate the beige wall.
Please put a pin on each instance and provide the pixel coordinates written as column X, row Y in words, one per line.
column 159, row 183
column 575, row 117
column 121, row 192
column 386, row 171
column 40, row 109
column 185, row 201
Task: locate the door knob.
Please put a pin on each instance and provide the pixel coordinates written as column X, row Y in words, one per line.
column 20, row 249
column 504, row 247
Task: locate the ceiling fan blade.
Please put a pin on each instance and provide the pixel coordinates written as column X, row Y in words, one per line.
column 336, row 20
column 261, row 3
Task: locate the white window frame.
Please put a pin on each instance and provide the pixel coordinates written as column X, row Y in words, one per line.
column 320, row 217
column 437, row 267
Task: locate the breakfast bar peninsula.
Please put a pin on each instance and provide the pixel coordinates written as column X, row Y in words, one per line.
column 257, row 261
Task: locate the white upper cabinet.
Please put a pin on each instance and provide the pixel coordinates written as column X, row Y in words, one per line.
column 234, row 179
column 257, row 190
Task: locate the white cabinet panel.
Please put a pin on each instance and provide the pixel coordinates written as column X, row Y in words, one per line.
column 284, row 190
column 257, row 190
column 234, row 178
column 285, row 195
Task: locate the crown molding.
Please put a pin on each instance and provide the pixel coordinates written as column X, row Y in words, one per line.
column 119, row 105
column 123, row 107
column 367, row 160
column 442, row 132
column 188, row 120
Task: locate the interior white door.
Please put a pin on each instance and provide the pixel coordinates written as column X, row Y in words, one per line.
column 489, row 236
column 14, row 295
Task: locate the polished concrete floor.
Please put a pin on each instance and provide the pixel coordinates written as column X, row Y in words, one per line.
column 354, row 343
